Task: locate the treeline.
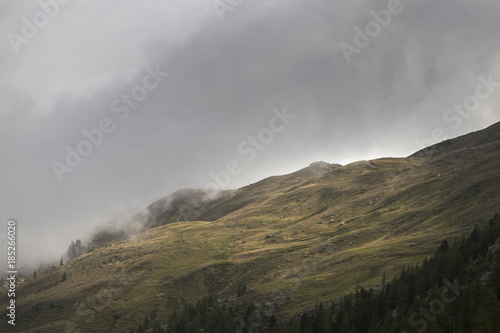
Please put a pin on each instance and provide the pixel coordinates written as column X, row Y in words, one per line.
column 211, row 315
column 76, row 249
column 456, row 290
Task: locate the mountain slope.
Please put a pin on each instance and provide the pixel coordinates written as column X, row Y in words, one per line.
column 475, row 140
column 292, row 240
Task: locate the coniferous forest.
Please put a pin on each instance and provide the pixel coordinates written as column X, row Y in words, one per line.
column 456, row 290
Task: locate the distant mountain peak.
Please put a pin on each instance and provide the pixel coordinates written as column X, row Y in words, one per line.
column 321, row 167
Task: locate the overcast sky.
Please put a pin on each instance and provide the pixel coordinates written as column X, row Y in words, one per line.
column 233, row 67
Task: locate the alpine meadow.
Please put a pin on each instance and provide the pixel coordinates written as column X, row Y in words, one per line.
column 264, row 166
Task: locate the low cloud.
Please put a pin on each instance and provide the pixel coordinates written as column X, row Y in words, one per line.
column 226, row 77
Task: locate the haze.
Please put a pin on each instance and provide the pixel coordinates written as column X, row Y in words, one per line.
column 231, row 70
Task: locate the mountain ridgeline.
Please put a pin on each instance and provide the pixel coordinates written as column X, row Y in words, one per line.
column 203, row 205
column 304, row 252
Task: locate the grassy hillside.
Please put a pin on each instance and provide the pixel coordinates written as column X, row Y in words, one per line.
column 455, row 290
column 292, row 240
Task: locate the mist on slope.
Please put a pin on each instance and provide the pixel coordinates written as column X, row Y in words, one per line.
column 226, row 78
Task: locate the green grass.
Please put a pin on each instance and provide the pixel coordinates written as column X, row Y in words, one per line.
column 269, row 236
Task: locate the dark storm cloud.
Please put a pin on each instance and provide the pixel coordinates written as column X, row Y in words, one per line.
column 226, row 77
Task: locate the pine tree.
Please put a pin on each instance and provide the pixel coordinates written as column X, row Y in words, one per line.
column 242, row 289
column 495, row 275
column 146, row 323
column 272, row 322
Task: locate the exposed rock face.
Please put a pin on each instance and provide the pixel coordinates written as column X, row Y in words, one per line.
column 320, row 168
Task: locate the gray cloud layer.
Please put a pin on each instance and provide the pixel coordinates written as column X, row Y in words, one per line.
column 226, row 77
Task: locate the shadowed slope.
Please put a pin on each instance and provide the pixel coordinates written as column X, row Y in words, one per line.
column 293, row 240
